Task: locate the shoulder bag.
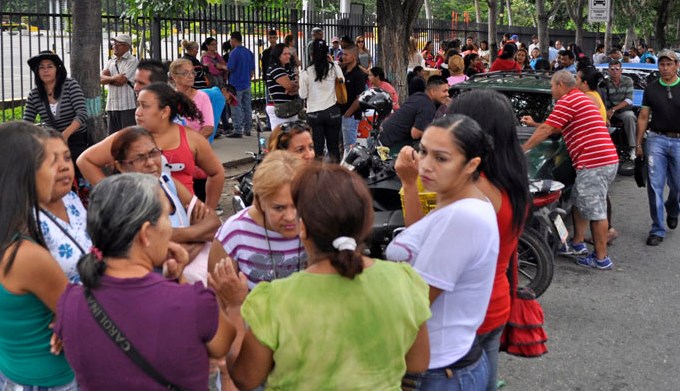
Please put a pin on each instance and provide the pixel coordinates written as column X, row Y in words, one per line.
column 113, row 331
column 340, row 89
column 288, row 109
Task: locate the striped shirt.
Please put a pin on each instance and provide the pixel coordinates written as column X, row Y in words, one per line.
column 262, row 255
column 71, row 106
column 584, row 131
column 122, row 97
column 277, row 93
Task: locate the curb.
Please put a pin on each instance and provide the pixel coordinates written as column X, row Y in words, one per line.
column 238, row 162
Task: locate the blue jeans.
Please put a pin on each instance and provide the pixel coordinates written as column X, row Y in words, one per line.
column 242, row 114
column 8, row 385
column 350, row 127
column 663, row 166
column 474, row 377
column 490, row 343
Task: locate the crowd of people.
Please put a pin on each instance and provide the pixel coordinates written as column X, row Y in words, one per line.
column 140, row 285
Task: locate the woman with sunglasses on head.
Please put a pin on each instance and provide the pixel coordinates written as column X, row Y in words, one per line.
column 458, row 260
column 317, row 85
column 158, row 105
column 63, row 218
column 30, row 280
column 294, row 137
column 264, row 238
column 193, row 223
column 347, row 322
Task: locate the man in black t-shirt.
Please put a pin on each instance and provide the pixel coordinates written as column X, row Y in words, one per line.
column 355, row 82
column 406, row 125
column 662, row 98
column 273, row 39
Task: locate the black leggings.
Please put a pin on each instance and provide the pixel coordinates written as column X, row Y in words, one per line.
column 326, row 126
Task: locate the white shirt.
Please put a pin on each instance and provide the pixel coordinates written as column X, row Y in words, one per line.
column 455, row 249
column 532, row 46
column 320, row 95
column 121, row 98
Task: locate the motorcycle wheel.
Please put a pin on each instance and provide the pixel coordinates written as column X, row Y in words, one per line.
column 536, row 262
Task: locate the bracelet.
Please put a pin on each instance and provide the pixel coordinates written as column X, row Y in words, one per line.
column 638, row 146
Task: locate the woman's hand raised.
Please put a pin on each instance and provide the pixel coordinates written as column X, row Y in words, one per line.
column 407, row 165
column 231, row 287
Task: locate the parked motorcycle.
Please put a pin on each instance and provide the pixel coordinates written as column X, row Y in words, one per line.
column 243, row 191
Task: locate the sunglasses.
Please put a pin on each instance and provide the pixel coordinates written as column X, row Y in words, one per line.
column 153, row 154
column 360, row 41
column 287, row 128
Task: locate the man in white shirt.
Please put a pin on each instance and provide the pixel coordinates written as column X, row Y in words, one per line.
column 119, row 74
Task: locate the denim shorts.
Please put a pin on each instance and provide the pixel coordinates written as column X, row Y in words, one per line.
column 590, row 191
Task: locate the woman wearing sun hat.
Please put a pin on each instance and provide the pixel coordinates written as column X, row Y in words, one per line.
column 58, row 100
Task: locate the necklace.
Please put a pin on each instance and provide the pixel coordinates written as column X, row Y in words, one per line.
column 274, row 274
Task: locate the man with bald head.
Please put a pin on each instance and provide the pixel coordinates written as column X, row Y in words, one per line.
column 594, row 157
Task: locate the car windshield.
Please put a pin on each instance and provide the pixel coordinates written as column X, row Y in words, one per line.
column 537, row 105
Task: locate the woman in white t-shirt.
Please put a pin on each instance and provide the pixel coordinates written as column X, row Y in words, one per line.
column 317, row 85
column 454, row 248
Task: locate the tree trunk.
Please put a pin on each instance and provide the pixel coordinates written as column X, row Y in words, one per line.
column 543, row 15
column 87, row 26
column 491, row 37
column 395, row 23
column 662, row 13
column 428, row 10
column 478, row 13
column 575, row 9
column 509, row 11
column 631, row 38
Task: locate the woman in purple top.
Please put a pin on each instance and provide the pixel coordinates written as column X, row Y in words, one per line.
column 174, row 327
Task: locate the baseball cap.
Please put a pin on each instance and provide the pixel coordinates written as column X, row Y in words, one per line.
column 317, row 30
column 514, row 37
column 669, row 54
column 335, row 39
column 123, row 38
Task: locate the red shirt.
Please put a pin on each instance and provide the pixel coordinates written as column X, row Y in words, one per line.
column 584, row 131
column 182, row 156
column 498, row 312
column 502, row 64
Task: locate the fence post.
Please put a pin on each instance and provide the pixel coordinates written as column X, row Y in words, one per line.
column 294, row 28
column 156, row 38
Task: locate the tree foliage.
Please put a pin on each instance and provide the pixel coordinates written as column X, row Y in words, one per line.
column 150, row 8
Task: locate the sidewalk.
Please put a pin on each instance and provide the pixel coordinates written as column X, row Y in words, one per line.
column 233, row 151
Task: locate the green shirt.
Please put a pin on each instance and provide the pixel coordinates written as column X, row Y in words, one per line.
column 25, row 356
column 332, row 333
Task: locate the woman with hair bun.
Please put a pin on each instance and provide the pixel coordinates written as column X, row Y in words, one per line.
column 158, row 105
column 453, row 154
column 174, row 327
column 347, row 321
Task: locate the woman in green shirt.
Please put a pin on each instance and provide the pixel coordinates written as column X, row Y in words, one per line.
column 348, row 322
column 31, row 281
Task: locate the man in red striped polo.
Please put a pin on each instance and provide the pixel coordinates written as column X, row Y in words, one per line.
column 594, row 157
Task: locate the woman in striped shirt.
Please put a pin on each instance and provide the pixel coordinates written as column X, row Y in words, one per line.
column 58, row 100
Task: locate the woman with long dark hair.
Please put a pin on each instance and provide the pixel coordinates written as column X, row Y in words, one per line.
column 30, row 279
column 211, row 58
column 175, row 327
column 58, row 100
column 504, row 182
column 317, row 85
column 453, row 155
column 282, row 83
column 158, row 105
column 369, row 313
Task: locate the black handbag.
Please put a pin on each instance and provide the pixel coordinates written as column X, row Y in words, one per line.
column 288, row 109
column 112, row 330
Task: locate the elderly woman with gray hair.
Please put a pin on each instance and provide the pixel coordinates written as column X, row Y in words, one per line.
column 172, row 328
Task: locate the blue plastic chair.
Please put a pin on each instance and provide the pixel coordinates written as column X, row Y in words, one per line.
column 218, row 102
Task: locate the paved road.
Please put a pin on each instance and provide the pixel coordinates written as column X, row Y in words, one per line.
column 611, row 330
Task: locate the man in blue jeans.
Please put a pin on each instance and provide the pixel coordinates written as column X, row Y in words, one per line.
column 241, row 68
column 355, row 82
column 662, row 97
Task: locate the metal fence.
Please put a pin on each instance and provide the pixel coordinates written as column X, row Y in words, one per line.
column 47, row 25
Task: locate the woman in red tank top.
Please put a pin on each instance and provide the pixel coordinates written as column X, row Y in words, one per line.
column 158, row 104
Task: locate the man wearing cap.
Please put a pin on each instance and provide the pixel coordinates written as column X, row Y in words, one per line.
column 317, row 33
column 119, row 74
column 241, row 66
column 335, row 51
column 662, row 148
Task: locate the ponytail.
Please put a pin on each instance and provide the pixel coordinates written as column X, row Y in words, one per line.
column 91, row 269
